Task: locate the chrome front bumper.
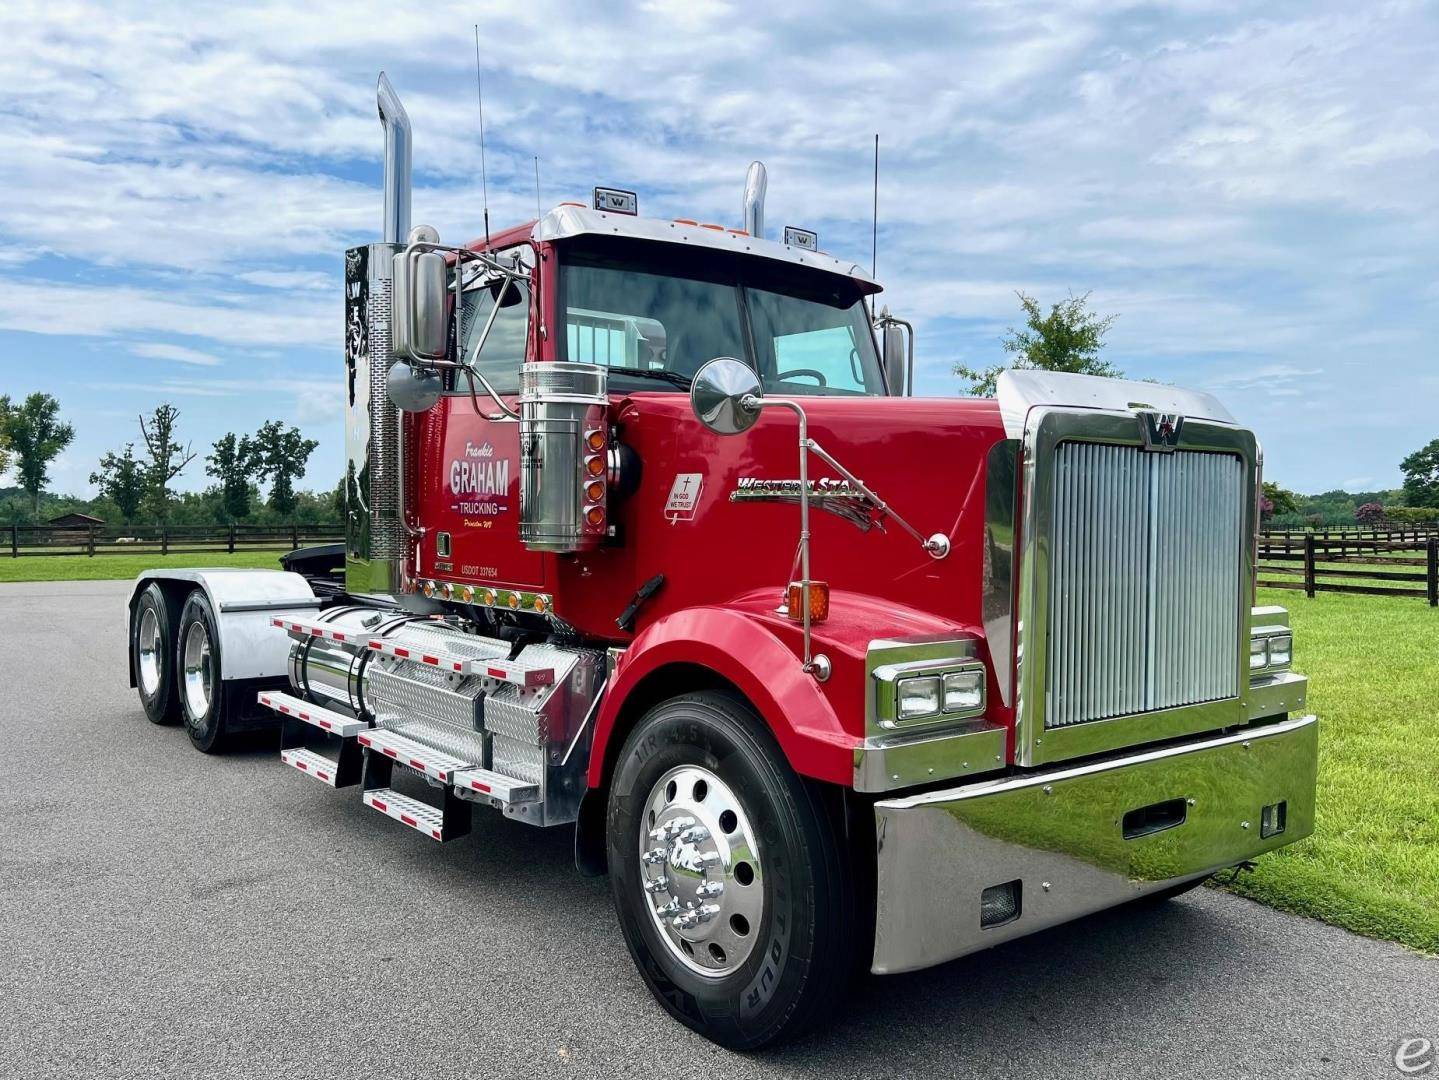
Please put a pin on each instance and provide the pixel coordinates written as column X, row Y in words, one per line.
column 1062, row 835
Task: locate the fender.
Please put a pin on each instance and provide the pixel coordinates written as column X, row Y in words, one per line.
column 244, row 601
column 810, row 734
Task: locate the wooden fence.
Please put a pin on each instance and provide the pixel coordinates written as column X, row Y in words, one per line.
column 1402, row 563
column 161, row 539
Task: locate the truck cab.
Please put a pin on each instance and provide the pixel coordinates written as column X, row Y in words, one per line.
column 649, row 537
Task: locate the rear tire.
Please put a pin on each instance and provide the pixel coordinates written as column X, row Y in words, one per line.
column 204, row 704
column 773, row 957
column 152, row 653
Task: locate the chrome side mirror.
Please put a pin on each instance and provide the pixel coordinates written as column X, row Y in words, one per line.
column 726, row 396
column 896, row 353
column 419, row 330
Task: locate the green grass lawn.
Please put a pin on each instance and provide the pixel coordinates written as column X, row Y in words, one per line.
column 103, row 567
column 1372, row 865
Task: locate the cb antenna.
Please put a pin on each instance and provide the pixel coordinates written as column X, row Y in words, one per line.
column 538, row 214
column 480, row 97
column 874, row 219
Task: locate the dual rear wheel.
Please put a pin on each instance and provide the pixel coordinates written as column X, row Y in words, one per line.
column 175, row 654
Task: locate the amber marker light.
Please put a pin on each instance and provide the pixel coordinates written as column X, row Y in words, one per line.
column 595, row 466
column 595, row 490
column 595, row 440
column 595, row 516
column 818, row 601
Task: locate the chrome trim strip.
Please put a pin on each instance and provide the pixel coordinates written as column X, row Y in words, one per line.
column 1001, row 522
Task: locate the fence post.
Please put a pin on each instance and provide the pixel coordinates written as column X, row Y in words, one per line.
column 164, row 540
column 14, row 541
column 294, row 536
column 232, row 538
column 1309, row 586
column 1432, row 553
column 90, row 545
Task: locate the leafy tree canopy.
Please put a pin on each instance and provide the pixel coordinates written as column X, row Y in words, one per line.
column 1421, row 476
column 36, row 435
column 1068, row 338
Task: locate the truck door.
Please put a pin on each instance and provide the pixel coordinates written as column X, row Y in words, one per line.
column 471, row 483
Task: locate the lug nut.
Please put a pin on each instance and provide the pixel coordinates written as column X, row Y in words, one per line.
column 659, row 885
column 710, row 888
column 653, row 857
column 695, row 835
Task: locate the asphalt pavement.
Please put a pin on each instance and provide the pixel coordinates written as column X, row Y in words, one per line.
column 168, row 914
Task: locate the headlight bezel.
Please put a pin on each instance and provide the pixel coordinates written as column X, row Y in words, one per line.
column 929, row 679
column 1275, row 642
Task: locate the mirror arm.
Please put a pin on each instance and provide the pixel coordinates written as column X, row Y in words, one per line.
column 937, row 545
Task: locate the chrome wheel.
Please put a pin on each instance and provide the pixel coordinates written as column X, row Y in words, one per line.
column 148, row 648
column 700, row 871
column 196, row 671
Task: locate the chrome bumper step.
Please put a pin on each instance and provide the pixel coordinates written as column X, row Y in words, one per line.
column 335, row 723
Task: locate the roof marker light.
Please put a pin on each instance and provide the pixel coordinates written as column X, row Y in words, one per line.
column 617, row 201
column 801, row 238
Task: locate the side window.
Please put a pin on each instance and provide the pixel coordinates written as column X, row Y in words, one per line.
column 831, row 353
column 503, row 351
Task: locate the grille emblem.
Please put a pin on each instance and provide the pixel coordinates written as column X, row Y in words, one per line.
column 1161, row 430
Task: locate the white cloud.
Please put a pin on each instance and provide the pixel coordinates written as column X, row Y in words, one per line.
column 179, row 353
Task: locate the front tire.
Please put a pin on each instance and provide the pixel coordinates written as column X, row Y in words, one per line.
column 203, row 701
column 728, row 875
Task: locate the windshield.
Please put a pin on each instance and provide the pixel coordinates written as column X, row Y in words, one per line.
column 655, row 316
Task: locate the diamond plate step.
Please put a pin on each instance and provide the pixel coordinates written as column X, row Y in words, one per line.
column 435, row 653
column 325, row 719
column 497, row 786
column 414, row 755
column 310, row 763
column 422, row 817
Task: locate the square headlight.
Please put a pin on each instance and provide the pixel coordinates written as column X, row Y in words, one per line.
column 1258, row 654
column 964, row 691
column 1280, row 647
column 918, row 696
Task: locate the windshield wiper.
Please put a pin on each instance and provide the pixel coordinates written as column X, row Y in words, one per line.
column 672, row 377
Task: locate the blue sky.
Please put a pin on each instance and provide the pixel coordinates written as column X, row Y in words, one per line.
column 1250, row 188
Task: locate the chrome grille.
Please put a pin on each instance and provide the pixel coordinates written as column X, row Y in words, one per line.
column 1144, row 594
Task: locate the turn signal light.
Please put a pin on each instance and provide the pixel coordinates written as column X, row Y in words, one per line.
column 595, row 516
column 595, row 440
column 595, row 490
column 595, row 466
column 818, row 601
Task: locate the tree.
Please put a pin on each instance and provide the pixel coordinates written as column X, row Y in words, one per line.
column 167, row 458
column 282, row 455
column 1370, row 513
column 121, row 479
column 1280, row 500
column 234, row 463
column 1067, row 339
column 36, row 435
column 1421, row 476
column 5, row 450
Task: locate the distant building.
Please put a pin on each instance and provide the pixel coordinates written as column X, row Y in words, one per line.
column 76, row 521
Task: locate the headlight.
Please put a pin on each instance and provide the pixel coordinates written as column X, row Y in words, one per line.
column 1258, row 654
column 918, row 696
column 1270, row 649
column 964, row 691
column 1280, row 646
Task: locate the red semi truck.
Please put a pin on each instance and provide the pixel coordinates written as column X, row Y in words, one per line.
column 647, row 538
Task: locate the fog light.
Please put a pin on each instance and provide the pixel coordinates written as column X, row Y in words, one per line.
column 918, row 696
column 1280, row 646
column 964, row 691
column 1271, row 820
column 999, row 904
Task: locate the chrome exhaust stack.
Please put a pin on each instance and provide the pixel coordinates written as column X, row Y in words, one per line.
column 396, row 123
column 376, row 539
column 755, row 182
